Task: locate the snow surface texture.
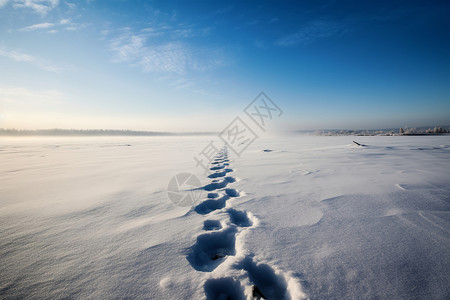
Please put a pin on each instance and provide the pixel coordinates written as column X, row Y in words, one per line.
column 234, row 272
column 315, row 217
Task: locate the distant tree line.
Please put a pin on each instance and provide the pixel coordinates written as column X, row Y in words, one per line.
column 414, row 131
column 386, row 132
column 93, row 132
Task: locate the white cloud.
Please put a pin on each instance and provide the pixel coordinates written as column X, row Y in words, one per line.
column 71, row 5
column 157, row 51
column 66, row 24
column 312, row 32
column 22, row 57
column 223, row 10
column 3, row 2
column 169, row 58
column 127, row 47
column 37, row 26
column 166, row 58
column 71, row 26
column 40, row 6
column 17, row 56
column 184, row 33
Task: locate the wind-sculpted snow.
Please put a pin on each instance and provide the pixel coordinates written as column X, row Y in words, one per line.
column 318, row 217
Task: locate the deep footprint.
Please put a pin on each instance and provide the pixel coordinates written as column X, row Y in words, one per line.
column 264, row 277
column 230, row 179
column 208, row 206
column 224, row 288
column 220, row 160
column 218, row 174
column 216, row 168
column 239, row 218
column 215, row 185
column 232, row 192
column 212, row 225
column 211, row 248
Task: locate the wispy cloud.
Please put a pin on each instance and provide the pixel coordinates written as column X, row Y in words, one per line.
column 252, row 23
column 39, row 6
column 37, row 26
column 223, row 10
column 22, row 57
column 312, row 32
column 180, row 31
column 17, row 56
column 273, row 20
column 127, row 46
column 71, row 5
column 319, row 29
column 171, row 55
column 66, row 24
column 166, row 58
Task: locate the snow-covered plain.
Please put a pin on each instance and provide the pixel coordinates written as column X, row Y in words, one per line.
column 291, row 218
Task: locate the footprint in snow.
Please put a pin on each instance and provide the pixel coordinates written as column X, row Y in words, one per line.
column 211, row 205
column 211, row 248
column 215, row 185
column 209, row 225
column 239, row 218
column 224, row 288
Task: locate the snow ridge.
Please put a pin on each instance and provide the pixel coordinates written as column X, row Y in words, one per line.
column 231, row 272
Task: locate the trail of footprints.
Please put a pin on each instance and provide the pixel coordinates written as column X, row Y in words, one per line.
column 232, row 273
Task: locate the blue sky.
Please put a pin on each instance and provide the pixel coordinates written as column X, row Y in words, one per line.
column 195, row 65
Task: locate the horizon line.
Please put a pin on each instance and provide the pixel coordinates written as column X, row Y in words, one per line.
column 129, row 132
